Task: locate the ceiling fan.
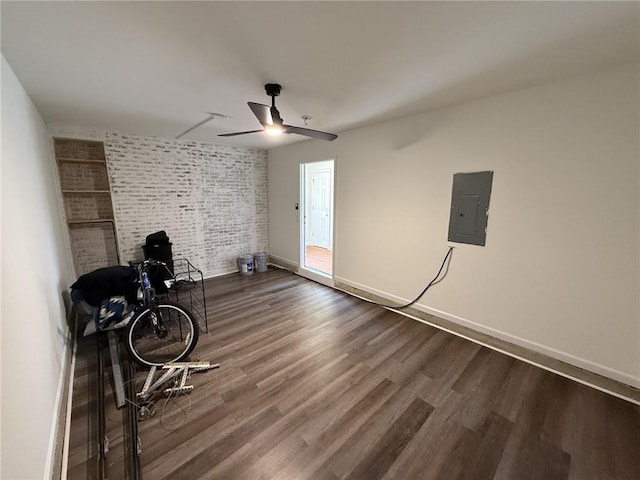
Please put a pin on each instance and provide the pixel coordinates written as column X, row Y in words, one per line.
column 271, row 121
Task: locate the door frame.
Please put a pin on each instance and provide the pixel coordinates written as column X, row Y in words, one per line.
column 316, row 275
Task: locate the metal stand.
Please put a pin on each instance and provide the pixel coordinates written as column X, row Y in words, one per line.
column 103, row 441
column 152, row 388
column 116, row 368
column 187, row 287
column 132, row 445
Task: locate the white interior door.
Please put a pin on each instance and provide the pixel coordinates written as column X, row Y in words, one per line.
column 320, row 209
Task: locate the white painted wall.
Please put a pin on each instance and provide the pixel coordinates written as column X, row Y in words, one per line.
column 36, row 268
column 560, row 271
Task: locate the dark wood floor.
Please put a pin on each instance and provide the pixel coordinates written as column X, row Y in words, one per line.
column 315, row 384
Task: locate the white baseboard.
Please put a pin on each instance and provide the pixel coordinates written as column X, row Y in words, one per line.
column 67, row 431
column 285, row 263
column 565, row 357
column 57, row 422
column 221, row 273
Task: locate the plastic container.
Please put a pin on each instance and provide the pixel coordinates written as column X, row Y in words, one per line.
column 260, row 262
column 245, row 264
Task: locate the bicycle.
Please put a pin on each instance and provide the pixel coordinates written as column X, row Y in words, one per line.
column 160, row 331
column 157, row 331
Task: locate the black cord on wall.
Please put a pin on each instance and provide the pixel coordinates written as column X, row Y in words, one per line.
column 429, row 285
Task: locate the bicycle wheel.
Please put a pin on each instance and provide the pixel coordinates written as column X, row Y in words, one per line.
column 164, row 334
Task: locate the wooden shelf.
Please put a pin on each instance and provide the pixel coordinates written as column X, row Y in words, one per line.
column 95, row 220
column 85, row 191
column 81, row 160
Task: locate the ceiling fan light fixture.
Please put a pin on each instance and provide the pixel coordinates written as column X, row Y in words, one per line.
column 273, row 130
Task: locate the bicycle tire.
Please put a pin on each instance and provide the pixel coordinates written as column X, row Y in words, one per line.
column 149, row 349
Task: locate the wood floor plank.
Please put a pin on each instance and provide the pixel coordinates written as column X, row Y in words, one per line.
column 320, row 379
column 452, row 364
column 444, row 350
column 313, row 408
column 297, row 370
column 518, row 390
column 486, row 456
column 485, row 374
column 528, row 457
column 343, row 425
column 336, row 407
column 458, row 455
column 215, row 452
column 235, row 466
column 356, row 447
column 382, row 455
column 599, row 431
column 435, row 445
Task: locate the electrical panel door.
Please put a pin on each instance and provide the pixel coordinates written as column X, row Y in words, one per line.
column 470, row 207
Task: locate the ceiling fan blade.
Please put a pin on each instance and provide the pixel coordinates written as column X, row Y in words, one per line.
column 310, row 133
column 238, row 133
column 262, row 113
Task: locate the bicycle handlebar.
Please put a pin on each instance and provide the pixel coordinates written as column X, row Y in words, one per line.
column 147, row 262
column 144, row 267
column 151, row 261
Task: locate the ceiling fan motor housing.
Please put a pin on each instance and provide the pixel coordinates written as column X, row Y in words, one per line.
column 273, row 89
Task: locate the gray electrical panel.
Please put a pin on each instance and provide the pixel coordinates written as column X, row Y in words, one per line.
column 470, row 207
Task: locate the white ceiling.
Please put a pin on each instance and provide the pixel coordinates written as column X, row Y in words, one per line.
column 157, row 68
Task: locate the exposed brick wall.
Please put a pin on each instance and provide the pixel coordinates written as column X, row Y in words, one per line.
column 210, row 199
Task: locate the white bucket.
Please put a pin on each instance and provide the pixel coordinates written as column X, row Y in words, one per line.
column 260, row 262
column 245, row 264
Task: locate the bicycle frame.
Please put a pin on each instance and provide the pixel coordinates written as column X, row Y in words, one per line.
column 147, row 295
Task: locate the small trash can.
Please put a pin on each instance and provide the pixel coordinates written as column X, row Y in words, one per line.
column 245, row 264
column 260, row 262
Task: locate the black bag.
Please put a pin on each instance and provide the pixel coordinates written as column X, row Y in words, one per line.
column 158, row 247
column 107, row 282
column 157, row 238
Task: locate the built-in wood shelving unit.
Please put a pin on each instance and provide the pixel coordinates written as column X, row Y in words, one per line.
column 85, row 191
column 81, row 160
column 94, row 220
column 87, row 199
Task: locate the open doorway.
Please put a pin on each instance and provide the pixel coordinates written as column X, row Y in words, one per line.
column 316, row 229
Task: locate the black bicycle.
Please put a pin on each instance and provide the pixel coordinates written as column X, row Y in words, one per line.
column 160, row 331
